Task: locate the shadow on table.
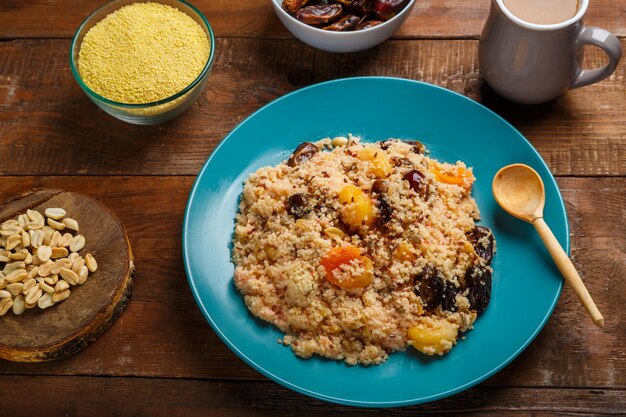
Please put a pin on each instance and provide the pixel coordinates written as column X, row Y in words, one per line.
column 93, row 142
column 515, row 112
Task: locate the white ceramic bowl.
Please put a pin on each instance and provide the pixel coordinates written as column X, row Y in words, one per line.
column 342, row 41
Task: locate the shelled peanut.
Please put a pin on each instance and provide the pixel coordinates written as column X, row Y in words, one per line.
column 40, row 260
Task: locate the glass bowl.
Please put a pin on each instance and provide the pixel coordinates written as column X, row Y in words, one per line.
column 157, row 111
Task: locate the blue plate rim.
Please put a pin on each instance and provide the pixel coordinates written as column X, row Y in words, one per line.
column 347, row 401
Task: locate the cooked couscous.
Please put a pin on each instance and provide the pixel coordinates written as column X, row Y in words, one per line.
column 356, row 250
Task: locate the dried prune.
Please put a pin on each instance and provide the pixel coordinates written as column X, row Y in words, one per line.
column 417, row 182
column 300, row 204
column 366, row 24
column 292, row 6
column 319, row 15
column 386, row 9
column 482, row 239
column 346, row 23
column 429, row 286
column 303, row 153
column 478, row 281
column 448, row 301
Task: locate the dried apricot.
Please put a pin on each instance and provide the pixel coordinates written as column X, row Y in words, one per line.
column 344, row 256
column 379, row 163
column 357, row 208
column 460, row 176
column 433, row 336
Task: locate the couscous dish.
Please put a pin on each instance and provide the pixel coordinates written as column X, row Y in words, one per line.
column 356, row 250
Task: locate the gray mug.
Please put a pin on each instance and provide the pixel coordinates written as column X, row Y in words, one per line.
column 531, row 63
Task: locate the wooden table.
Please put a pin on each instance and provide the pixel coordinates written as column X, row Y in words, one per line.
column 161, row 358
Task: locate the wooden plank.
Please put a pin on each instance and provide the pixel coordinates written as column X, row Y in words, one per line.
column 255, row 18
column 49, row 127
column 154, row 397
column 163, row 334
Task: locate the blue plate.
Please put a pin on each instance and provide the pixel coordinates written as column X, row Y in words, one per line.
column 526, row 284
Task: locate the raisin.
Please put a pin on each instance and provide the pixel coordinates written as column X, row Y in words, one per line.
column 417, row 182
column 385, row 211
column 300, row 205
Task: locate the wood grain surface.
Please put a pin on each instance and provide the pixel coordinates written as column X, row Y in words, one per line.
column 162, row 322
column 162, row 358
column 68, row 327
column 580, row 133
column 158, row 397
column 256, row 18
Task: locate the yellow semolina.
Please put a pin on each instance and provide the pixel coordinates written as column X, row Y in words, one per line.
column 143, row 53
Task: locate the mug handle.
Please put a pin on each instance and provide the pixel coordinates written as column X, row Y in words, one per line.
column 609, row 43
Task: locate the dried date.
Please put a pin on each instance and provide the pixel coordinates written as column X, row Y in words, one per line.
column 387, row 9
column 292, row 6
column 319, row 15
column 361, row 7
column 448, row 301
column 303, row 153
column 429, row 286
column 481, row 239
column 367, row 24
column 343, row 15
column 346, row 23
column 478, row 281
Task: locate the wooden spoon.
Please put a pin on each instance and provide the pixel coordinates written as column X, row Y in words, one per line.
column 69, row 326
column 518, row 189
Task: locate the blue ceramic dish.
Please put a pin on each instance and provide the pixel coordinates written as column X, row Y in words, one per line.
column 526, row 283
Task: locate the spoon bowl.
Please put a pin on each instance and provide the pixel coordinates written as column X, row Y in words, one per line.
column 519, row 190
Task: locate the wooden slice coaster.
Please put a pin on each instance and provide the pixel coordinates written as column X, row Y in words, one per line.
column 69, row 326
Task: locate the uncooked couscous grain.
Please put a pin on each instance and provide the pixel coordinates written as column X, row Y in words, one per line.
column 143, row 52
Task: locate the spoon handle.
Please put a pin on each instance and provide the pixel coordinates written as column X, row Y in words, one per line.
column 568, row 270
